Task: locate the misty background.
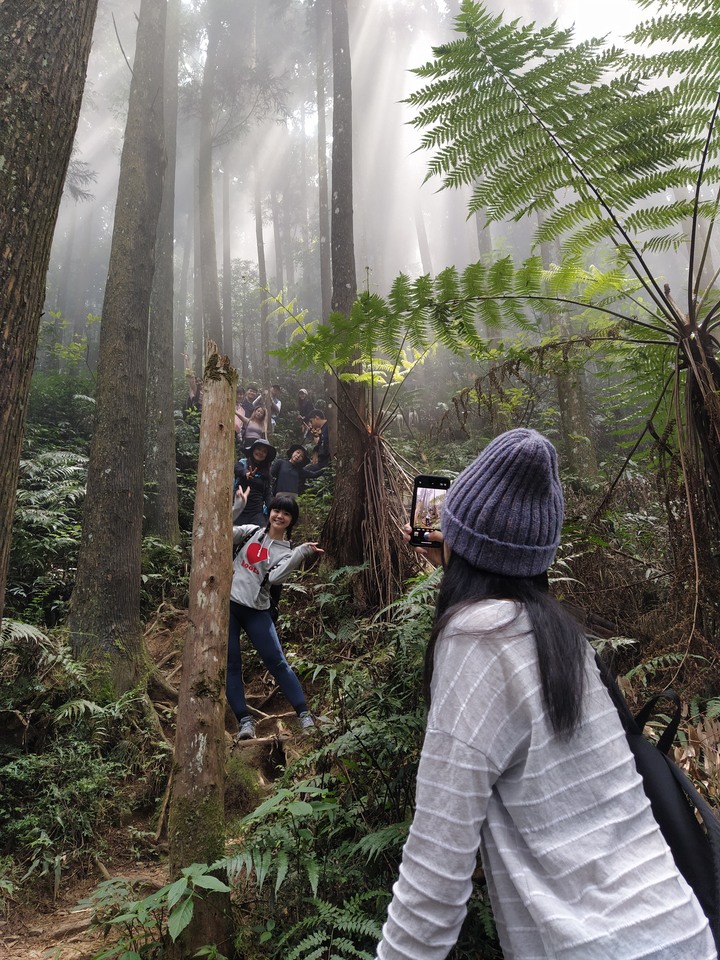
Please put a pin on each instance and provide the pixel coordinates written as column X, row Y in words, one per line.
column 266, row 146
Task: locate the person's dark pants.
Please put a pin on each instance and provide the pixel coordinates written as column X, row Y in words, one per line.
column 259, row 627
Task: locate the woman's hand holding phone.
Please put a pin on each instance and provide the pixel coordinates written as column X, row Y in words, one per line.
column 433, row 547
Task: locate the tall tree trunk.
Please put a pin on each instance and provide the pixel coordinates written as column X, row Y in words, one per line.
column 277, row 242
column 197, row 351
column 423, row 245
column 276, row 208
column 578, row 443
column 323, row 187
column 197, row 814
column 104, row 617
column 208, row 258
column 304, row 223
column 67, row 269
column 161, row 507
column 484, row 235
column 79, row 303
column 57, row 298
column 44, row 49
column 321, row 20
column 227, row 261
column 262, row 368
column 288, row 252
column 182, row 302
column 61, row 300
column 343, row 530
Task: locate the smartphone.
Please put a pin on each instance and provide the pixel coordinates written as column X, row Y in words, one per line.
column 426, row 510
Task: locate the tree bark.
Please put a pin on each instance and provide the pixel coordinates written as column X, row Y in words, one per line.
column 304, row 223
column 80, row 302
column 262, row 368
column 196, row 821
column 323, row 188
column 44, row 47
column 182, row 305
column 212, row 315
column 161, row 505
column 104, row 617
column 227, row 261
column 343, row 529
column 198, row 332
column 277, row 242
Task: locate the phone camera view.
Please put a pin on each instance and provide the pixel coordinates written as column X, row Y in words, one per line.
column 428, row 511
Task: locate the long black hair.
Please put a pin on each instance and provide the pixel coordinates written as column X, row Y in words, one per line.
column 559, row 638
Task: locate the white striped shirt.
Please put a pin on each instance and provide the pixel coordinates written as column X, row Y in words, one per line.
column 577, row 868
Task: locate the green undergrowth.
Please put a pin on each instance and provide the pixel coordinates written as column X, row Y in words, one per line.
column 70, row 766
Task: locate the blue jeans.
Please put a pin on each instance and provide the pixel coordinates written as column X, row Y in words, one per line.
column 259, row 627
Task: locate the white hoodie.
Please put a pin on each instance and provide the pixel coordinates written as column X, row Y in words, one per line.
column 261, row 562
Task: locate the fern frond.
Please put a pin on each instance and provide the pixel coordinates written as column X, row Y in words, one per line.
column 535, row 121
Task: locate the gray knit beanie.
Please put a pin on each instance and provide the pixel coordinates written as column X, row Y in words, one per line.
column 504, row 512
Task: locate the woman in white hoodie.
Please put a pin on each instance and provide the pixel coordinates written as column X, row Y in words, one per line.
column 266, row 557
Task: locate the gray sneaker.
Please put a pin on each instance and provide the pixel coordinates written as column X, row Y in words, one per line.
column 246, row 731
column 307, row 721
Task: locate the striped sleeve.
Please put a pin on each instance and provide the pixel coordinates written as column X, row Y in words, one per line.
column 429, row 899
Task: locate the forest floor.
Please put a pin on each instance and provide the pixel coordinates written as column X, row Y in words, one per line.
column 59, row 927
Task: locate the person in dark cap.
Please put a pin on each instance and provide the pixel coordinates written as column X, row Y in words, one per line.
column 288, row 477
column 252, row 474
column 525, row 757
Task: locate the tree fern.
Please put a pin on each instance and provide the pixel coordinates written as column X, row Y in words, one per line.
column 594, row 137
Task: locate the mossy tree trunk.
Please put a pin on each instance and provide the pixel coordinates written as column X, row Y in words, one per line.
column 196, row 823
column 161, row 508
column 104, row 622
column 44, row 49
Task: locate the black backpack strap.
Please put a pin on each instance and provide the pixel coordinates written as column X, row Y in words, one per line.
column 237, row 547
column 688, row 823
column 668, row 735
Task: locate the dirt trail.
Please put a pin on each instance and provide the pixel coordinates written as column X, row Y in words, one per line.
column 59, row 930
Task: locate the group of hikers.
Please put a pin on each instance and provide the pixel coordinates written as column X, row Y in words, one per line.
column 265, row 510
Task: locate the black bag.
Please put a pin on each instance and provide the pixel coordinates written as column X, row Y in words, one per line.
column 275, row 592
column 676, row 804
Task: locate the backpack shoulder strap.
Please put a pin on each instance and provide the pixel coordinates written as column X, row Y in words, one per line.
column 267, row 575
column 668, row 735
column 237, row 547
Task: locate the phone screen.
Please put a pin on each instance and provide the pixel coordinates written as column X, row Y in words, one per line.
column 428, row 499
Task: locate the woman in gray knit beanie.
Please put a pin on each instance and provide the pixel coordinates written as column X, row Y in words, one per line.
column 525, row 758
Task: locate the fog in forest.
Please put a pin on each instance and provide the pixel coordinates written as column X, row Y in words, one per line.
column 266, row 141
